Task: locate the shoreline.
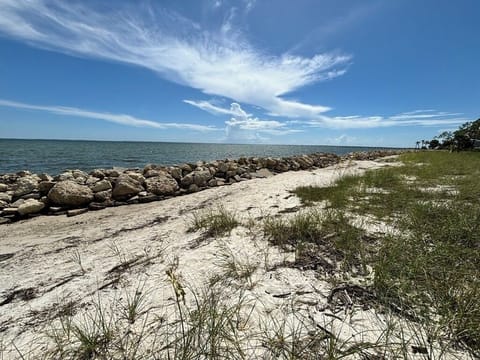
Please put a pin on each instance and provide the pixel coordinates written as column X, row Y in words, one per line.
column 61, row 270
column 53, row 263
column 25, row 195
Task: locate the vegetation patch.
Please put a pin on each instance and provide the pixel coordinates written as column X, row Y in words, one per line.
column 428, row 270
column 214, row 222
column 321, row 240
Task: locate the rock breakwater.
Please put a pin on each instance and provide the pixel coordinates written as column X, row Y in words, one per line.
column 24, row 195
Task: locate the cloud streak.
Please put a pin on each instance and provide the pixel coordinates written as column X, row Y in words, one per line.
column 414, row 118
column 122, row 119
column 219, row 63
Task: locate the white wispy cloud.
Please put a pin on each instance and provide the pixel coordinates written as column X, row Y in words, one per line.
column 234, row 110
column 244, row 127
column 122, row 119
column 414, row 118
column 220, row 63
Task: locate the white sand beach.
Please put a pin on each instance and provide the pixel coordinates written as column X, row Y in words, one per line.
column 49, row 263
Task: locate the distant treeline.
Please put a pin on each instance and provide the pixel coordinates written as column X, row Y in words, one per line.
column 467, row 137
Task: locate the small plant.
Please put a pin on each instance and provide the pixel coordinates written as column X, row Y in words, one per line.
column 77, row 258
column 134, row 305
column 90, row 336
column 236, row 269
column 214, row 223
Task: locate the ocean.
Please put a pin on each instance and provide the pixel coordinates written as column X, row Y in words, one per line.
column 55, row 156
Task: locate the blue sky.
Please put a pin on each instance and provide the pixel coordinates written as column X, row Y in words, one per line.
column 370, row 72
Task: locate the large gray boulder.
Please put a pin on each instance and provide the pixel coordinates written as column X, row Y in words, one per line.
column 69, row 193
column 3, row 187
column 126, row 186
column 163, row 184
column 102, row 196
column 45, row 186
column 30, row 206
column 201, row 177
column 101, row 185
column 25, row 185
column 5, row 197
column 187, row 180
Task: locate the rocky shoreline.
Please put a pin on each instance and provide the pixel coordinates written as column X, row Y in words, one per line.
column 24, row 195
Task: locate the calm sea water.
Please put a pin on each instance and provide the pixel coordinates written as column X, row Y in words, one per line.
column 55, row 156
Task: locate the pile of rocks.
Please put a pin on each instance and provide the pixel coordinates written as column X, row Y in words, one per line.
column 25, row 194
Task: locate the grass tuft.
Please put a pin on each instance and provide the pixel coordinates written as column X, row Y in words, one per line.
column 214, row 223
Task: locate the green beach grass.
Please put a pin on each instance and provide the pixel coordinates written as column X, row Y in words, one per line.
column 429, row 267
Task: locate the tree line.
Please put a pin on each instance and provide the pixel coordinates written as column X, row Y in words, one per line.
column 466, row 137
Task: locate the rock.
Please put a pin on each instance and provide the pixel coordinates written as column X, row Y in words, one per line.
column 79, row 173
column 163, row 184
column 187, row 180
column 193, row 188
column 103, row 196
column 305, row 162
column 24, row 186
column 136, row 176
column 241, row 170
column 133, row 200
column 69, row 193
column 30, row 206
column 176, row 173
column 148, row 198
column 4, row 221
column 17, row 203
column 3, row 204
column 263, row 173
column 185, row 169
column 282, row 166
column 92, row 180
column 10, row 211
column 148, row 167
column 96, row 206
column 101, row 185
column 222, row 167
column 5, row 197
column 151, row 173
column 230, row 174
column 242, row 161
column 143, row 193
column 76, row 212
column 64, row 176
column 56, row 209
column 125, row 187
column 201, row 177
column 23, row 173
column 45, row 177
column 80, row 180
column 212, row 182
column 3, row 187
column 232, row 165
column 97, row 173
column 112, row 173
column 45, row 186
column 34, row 195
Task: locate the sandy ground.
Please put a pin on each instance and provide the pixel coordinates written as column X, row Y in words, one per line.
column 48, row 261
